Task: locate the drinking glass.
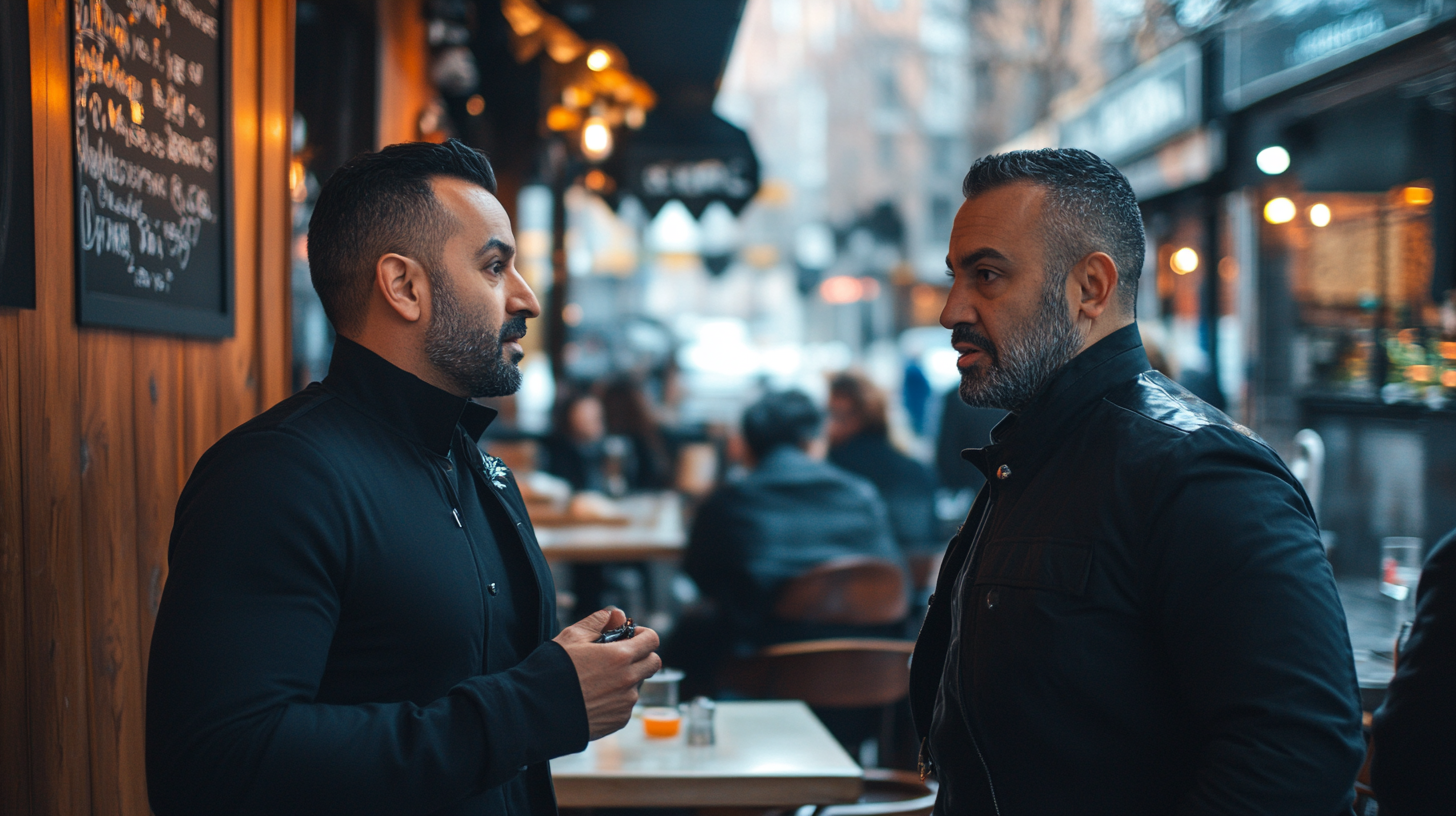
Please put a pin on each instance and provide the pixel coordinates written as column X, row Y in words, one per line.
column 1400, row 573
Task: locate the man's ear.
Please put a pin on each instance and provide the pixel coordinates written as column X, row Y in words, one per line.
column 404, row 285
column 1092, row 285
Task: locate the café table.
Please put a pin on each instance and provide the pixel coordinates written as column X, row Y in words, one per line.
column 653, row 532
column 767, row 754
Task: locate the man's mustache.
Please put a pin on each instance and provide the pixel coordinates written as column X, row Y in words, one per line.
column 513, row 329
column 963, row 333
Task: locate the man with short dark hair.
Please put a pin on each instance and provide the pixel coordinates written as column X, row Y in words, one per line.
column 357, row 616
column 1137, row 616
column 793, row 512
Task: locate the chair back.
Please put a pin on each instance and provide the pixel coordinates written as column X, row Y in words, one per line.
column 855, row 591
column 889, row 793
column 835, row 673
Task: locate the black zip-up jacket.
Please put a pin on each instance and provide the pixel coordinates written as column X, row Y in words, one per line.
column 328, row 639
column 1137, row 616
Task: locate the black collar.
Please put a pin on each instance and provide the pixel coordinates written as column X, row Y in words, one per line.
column 408, row 405
column 1020, row 441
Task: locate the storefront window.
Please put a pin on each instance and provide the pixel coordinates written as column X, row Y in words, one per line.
column 1359, row 268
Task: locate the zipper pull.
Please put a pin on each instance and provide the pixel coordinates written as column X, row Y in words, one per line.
column 456, row 514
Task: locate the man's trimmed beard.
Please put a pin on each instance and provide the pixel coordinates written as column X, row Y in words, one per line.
column 1017, row 371
column 466, row 348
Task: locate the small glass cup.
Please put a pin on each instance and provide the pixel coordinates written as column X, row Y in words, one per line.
column 660, row 690
column 1400, row 574
column 661, row 722
column 700, row 721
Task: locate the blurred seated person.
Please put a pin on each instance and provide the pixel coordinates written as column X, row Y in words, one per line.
column 629, row 415
column 1415, row 728
column 790, row 513
column 859, row 442
column 962, row 426
column 575, row 449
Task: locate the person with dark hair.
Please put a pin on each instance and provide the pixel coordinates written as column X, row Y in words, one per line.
column 1137, row 616
column 574, row 450
column 357, row 617
column 790, row 514
column 628, row 414
column 1414, row 748
column 859, row 442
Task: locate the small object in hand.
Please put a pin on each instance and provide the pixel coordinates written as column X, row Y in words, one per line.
column 623, row 632
column 661, row 722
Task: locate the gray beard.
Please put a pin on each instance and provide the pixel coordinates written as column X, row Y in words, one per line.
column 466, row 348
column 1018, row 370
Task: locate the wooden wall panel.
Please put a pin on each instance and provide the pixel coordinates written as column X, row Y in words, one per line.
column 160, row 470
column 236, row 392
column 98, row 432
column 404, row 81
column 14, row 740
column 56, row 653
column 108, row 494
column 275, row 210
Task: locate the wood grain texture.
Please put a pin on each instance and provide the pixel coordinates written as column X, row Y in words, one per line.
column 160, row 470
column 98, row 429
column 404, row 83
column 14, row 728
column 237, row 380
column 275, row 209
column 108, row 494
column 56, row 651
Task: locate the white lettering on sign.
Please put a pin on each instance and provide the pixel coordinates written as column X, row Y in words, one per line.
column 671, row 179
column 1331, row 37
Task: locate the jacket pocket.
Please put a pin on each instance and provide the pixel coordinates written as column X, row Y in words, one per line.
column 1058, row 565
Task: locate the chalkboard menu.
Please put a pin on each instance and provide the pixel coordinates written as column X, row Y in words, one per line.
column 17, row 189
column 150, row 117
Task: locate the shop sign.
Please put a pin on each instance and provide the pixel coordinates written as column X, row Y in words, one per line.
column 1142, row 109
column 1277, row 44
column 697, row 162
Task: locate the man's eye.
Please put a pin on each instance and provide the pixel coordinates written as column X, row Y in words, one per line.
column 987, row 275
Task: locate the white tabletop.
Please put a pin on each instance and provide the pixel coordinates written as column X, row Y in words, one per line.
column 768, row 754
column 654, row 533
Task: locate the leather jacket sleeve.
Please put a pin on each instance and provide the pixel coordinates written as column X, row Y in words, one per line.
column 1255, row 631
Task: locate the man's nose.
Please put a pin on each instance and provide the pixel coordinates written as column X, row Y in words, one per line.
column 521, row 300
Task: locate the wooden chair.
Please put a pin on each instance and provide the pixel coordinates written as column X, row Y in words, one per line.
column 856, row 591
column 839, row 673
column 888, row 793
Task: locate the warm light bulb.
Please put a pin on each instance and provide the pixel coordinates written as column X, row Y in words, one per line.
column 1279, row 211
column 1272, row 160
column 841, row 289
column 1319, row 215
column 1185, row 260
column 598, row 59
column 1418, row 196
column 596, row 139
column 475, row 105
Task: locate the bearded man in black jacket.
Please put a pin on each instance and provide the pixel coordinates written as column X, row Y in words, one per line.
column 358, row 618
column 1137, row 616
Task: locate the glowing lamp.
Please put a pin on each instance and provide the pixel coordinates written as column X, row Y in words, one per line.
column 1184, row 260
column 841, row 289
column 1279, row 211
column 1418, row 196
column 596, row 139
column 1272, row 160
column 1319, row 215
column 598, row 59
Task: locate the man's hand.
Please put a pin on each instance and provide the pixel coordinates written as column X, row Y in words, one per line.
column 609, row 673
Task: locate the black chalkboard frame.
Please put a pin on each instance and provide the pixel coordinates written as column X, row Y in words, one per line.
column 106, row 310
column 17, row 174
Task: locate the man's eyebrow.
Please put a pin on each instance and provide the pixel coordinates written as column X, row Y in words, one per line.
column 970, row 258
column 495, row 245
